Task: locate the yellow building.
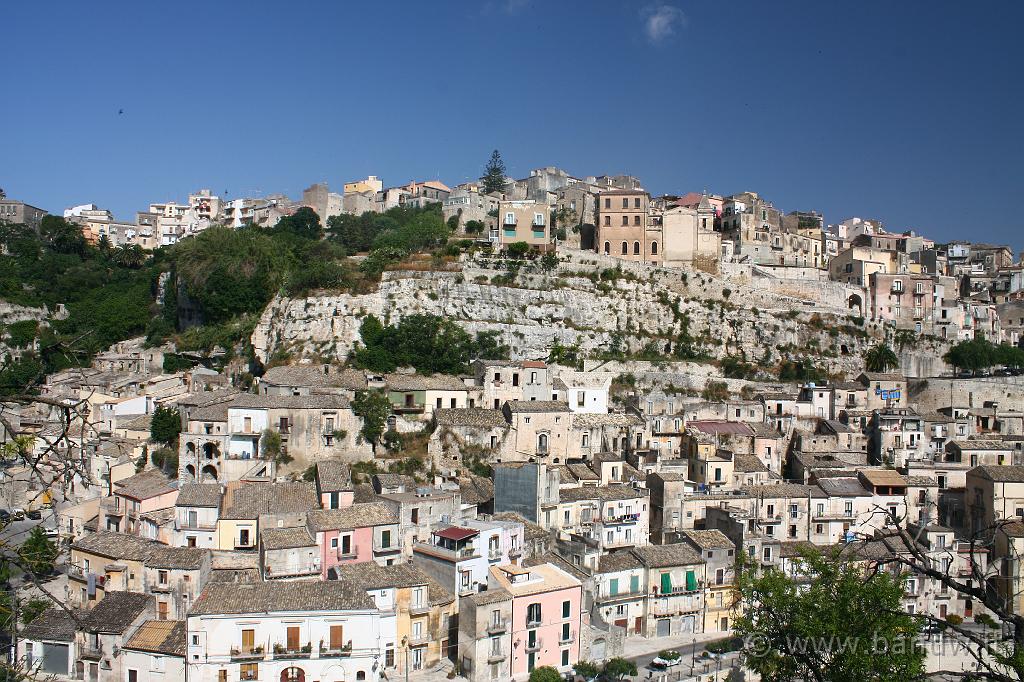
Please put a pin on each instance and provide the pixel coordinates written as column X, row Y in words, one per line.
column 371, row 184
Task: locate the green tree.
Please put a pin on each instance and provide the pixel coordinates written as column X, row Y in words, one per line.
column 166, row 460
column 271, row 445
column 880, row 358
column 545, row 673
column 427, row 342
column 549, row 261
column 586, row 670
column 31, row 609
column 494, row 174
column 165, row 425
column 517, row 249
column 38, row 553
column 474, row 227
column 130, row 256
column 304, row 223
column 618, row 668
column 827, row 622
column 374, row 408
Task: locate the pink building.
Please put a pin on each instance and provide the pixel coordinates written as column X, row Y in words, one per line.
column 135, row 496
column 906, row 301
column 334, row 484
column 353, row 534
column 528, row 617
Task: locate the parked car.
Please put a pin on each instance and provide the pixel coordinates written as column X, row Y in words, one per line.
column 51, row 533
column 18, row 513
column 660, row 663
column 34, row 514
column 5, row 516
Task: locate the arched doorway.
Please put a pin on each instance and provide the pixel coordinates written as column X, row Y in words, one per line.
column 190, row 449
column 293, row 674
column 855, row 302
column 209, row 474
column 190, row 470
column 210, row 451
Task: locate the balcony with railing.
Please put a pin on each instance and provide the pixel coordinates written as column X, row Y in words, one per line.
column 418, row 609
column 494, row 554
column 283, row 651
column 619, row 519
column 497, row 627
column 348, row 554
column 327, row 651
column 460, row 554
column 241, row 653
column 533, row 646
column 419, row 640
column 564, row 638
column 380, row 548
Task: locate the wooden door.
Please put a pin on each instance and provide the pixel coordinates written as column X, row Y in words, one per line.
column 336, row 638
column 293, row 638
column 248, row 640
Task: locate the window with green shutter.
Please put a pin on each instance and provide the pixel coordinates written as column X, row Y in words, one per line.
column 613, row 588
column 691, row 581
column 666, row 583
column 634, row 583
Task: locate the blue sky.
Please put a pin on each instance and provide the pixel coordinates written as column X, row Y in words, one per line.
column 905, row 111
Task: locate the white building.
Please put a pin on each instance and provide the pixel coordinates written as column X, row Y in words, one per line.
column 585, row 392
column 290, row 631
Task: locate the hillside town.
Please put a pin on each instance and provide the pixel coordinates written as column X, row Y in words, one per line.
column 314, row 509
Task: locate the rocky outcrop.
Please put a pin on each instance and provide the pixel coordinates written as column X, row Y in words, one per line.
column 638, row 310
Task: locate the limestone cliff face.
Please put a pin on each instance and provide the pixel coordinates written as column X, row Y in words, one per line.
column 638, row 308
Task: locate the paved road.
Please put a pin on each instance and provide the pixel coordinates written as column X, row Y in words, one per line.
column 16, row 532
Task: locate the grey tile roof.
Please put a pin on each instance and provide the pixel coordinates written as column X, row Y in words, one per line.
column 182, row 558
column 250, row 500
column 603, row 493
column 1001, row 474
column 531, row 531
column 55, row 624
column 663, row 556
column 333, row 476
column 474, row 417
column 709, row 539
column 286, row 538
column 116, row 545
column 372, row 576
column 618, row 561
column 621, row 419
column 199, row 495
column 277, row 597
column 560, row 562
column 147, row 484
column 491, row 596
column 236, row 575
column 582, row 472
column 315, row 376
column 117, row 611
column 781, row 490
column 843, row 487
column 528, row 406
column 313, row 401
column 417, row 382
column 476, row 490
column 207, row 398
column 360, row 515
column 748, row 464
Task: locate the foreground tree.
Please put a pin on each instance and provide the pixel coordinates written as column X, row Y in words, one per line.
column 374, row 408
column 545, row 673
column 494, row 174
column 827, row 622
column 38, row 552
column 618, row 668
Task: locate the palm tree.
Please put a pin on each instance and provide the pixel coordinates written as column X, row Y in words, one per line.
column 103, row 244
column 130, row 256
column 880, row 358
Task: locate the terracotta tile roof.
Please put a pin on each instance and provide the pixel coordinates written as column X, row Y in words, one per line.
column 748, row 464
column 718, row 427
column 476, row 490
column 160, row 637
column 531, row 531
column 491, row 596
column 181, row 558
column 582, row 471
column 456, row 533
column 882, row 477
column 276, row 597
column 119, row 546
column 314, row 376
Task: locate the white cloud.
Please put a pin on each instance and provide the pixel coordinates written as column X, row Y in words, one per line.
column 661, row 22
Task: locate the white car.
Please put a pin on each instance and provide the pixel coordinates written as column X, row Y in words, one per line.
column 51, row 532
column 660, row 663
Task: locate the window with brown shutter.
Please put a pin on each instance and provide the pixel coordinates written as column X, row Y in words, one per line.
column 248, row 640
column 293, row 639
column 336, row 641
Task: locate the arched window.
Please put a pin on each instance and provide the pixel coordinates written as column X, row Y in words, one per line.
column 542, row 443
column 586, row 440
column 607, row 248
column 654, row 248
column 625, row 248
column 636, row 248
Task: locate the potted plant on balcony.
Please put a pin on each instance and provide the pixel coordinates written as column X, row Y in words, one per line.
column 307, row 648
column 278, row 649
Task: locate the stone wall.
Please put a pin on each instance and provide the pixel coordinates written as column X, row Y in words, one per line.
column 930, row 394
